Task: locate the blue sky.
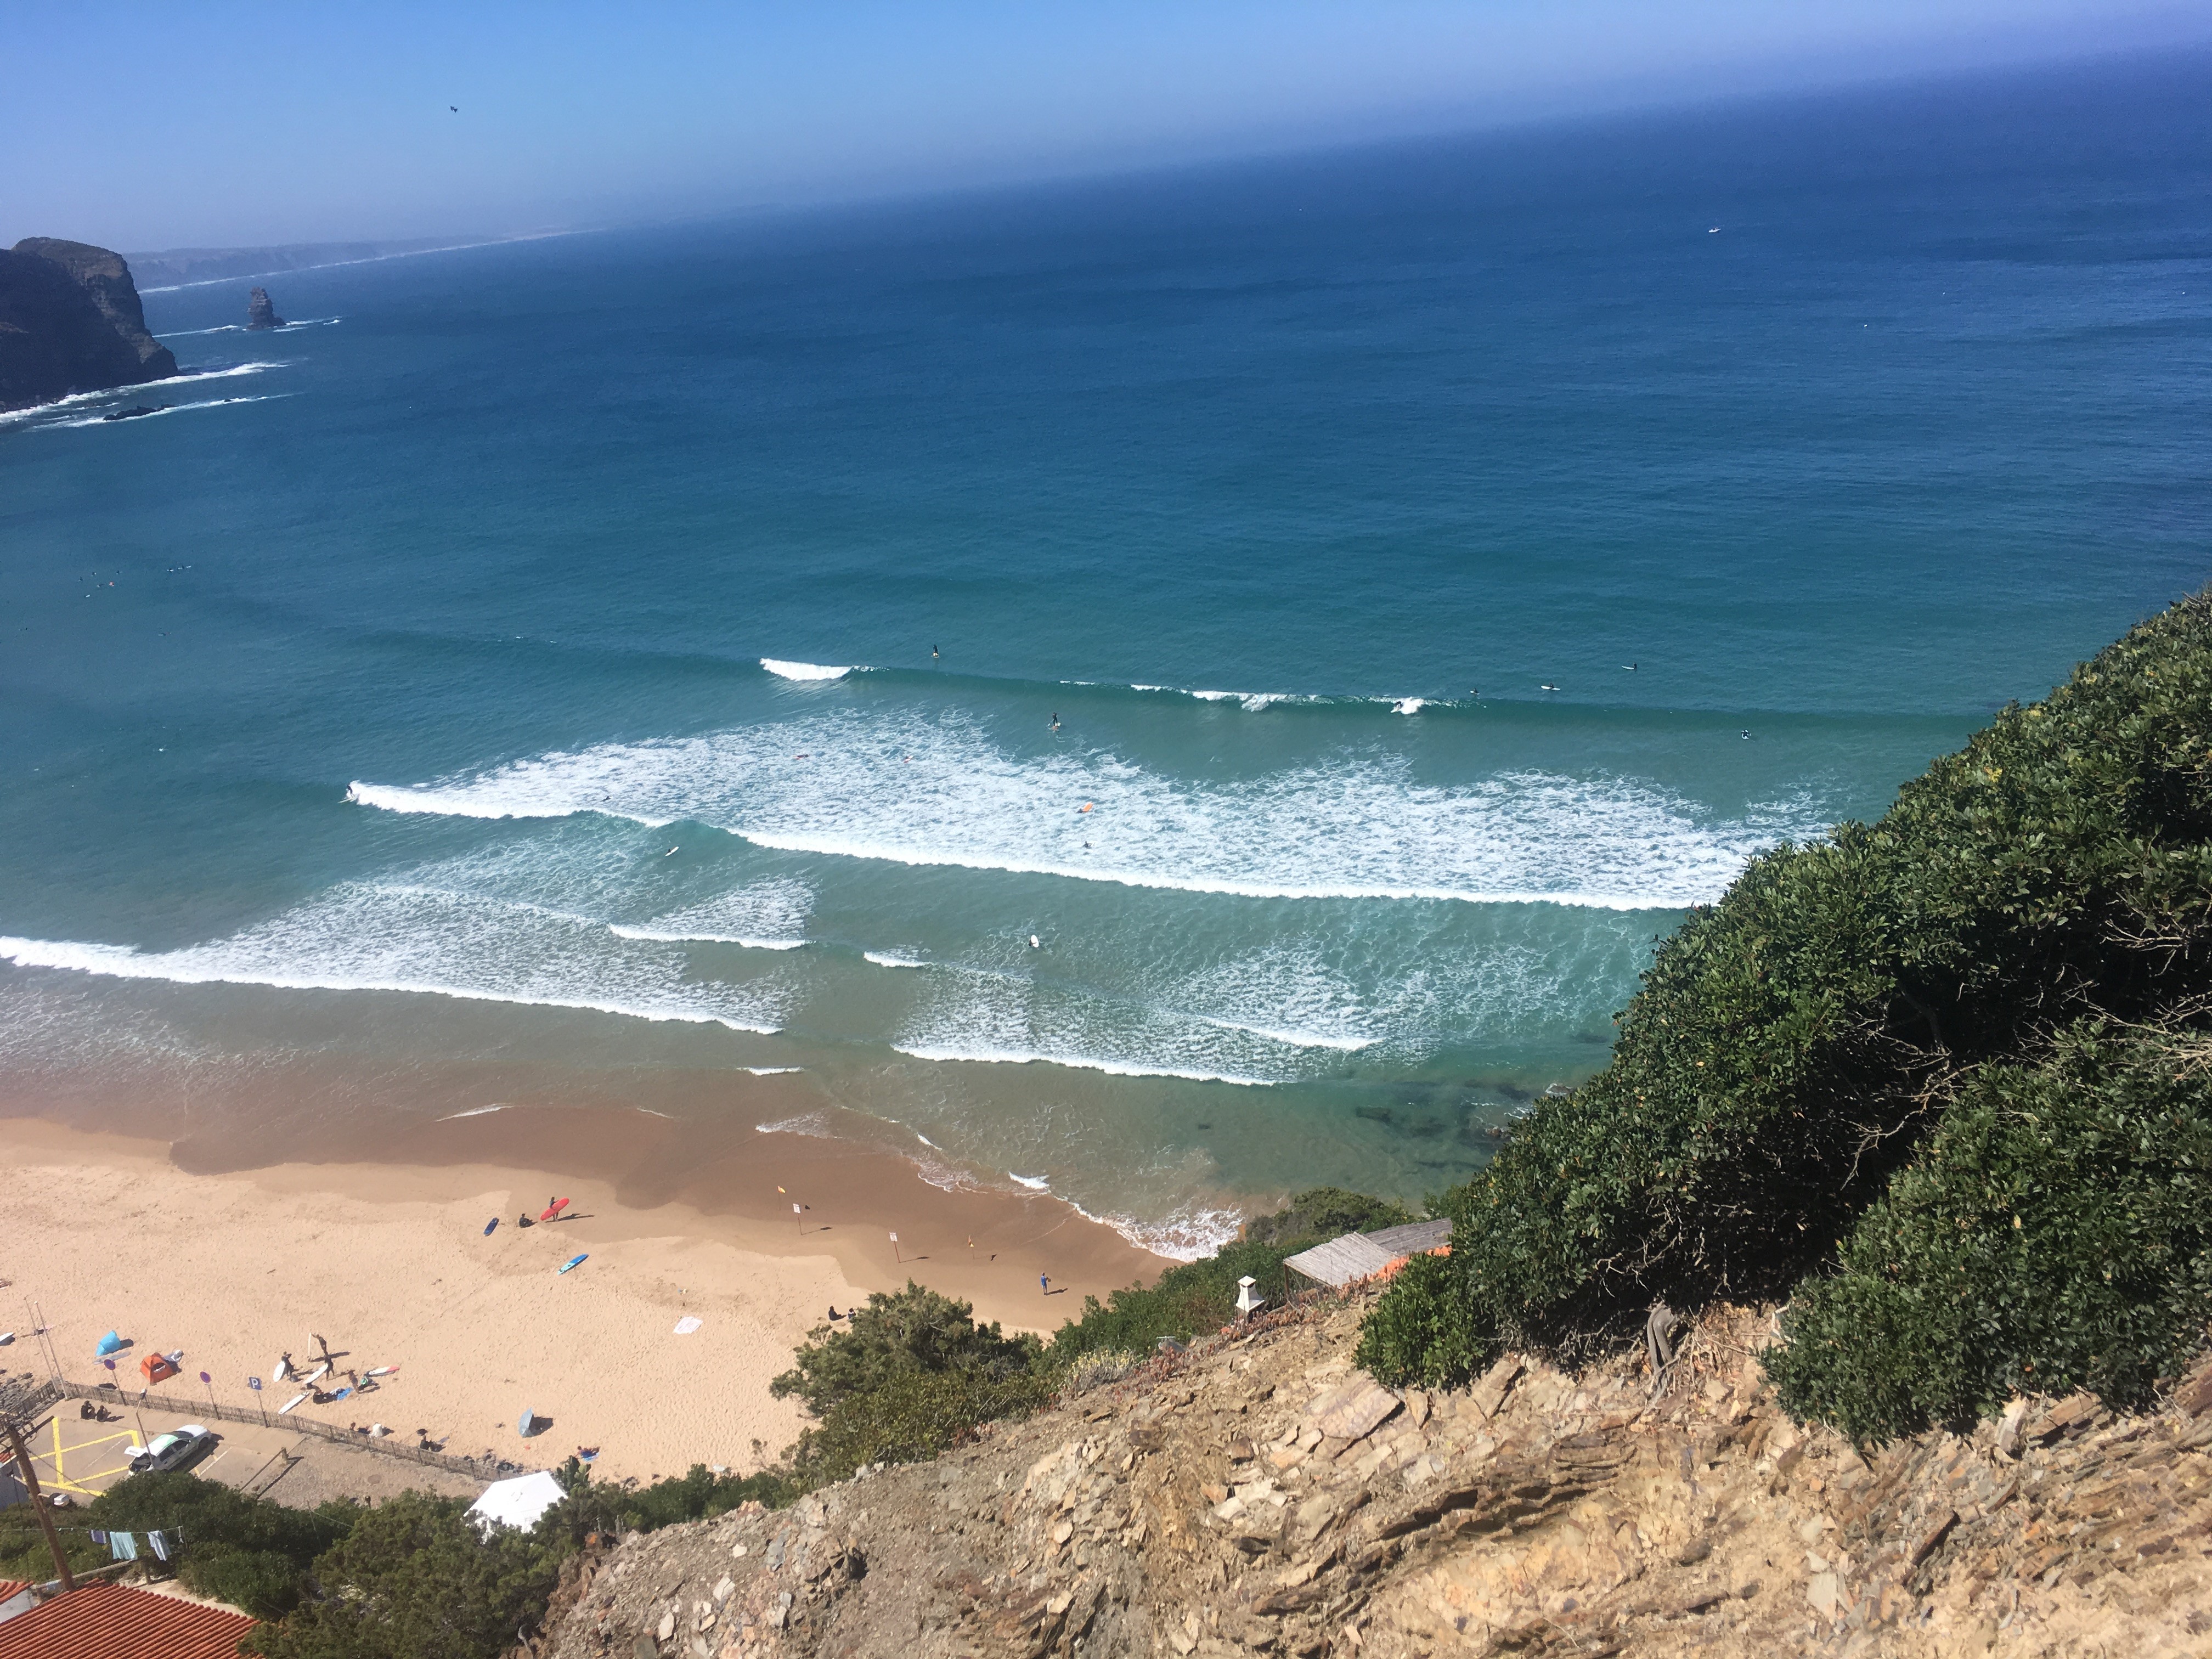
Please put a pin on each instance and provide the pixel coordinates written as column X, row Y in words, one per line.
column 146, row 127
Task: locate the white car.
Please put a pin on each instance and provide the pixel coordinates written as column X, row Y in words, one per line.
column 173, row 1450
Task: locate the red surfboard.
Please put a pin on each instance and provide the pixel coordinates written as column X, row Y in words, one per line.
column 554, row 1209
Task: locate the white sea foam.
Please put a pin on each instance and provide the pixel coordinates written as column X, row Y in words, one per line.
column 1410, row 705
column 803, row 670
column 373, row 259
column 144, row 387
column 684, row 937
column 1357, row 826
column 473, row 1111
column 764, row 915
column 813, row 1124
column 885, row 959
column 1252, row 701
column 240, row 328
column 1035, row 1184
column 1296, row 1039
column 405, row 937
column 771, row 1071
column 171, row 409
column 1085, row 1062
column 1186, row 1235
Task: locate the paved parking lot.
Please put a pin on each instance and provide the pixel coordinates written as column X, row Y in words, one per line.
column 73, row 1454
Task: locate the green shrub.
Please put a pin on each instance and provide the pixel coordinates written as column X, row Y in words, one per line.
column 910, row 1419
column 2054, row 1234
column 914, row 1375
column 249, row 1552
column 1416, row 1333
column 1791, row 1045
column 1195, row 1296
column 23, row 1552
column 1186, row 1299
column 1325, row 1212
column 697, row 1495
column 907, row 1333
column 414, row 1579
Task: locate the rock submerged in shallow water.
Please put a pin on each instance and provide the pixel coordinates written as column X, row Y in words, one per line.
column 261, row 310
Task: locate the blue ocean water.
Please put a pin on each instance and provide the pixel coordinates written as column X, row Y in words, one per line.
column 667, row 656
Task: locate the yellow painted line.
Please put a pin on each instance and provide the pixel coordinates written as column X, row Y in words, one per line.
column 60, row 1477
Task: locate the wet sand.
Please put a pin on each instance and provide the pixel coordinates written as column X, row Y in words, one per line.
column 385, row 1256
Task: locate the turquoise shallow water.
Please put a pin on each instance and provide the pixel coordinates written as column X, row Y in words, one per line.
column 642, row 652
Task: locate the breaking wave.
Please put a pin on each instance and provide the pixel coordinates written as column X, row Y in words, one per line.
column 910, row 791
column 144, row 387
column 171, row 409
column 371, row 937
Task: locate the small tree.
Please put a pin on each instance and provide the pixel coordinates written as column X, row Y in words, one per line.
column 909, row 1333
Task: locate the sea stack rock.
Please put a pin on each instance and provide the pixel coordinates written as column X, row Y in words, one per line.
column 259, row 312
column 71, row 321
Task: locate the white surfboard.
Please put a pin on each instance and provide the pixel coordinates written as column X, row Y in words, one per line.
column 313, row 1374
column 283, row 1369
column 289, row 1404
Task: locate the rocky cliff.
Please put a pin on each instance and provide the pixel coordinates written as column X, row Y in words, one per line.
column 1258, row 1496
column 71, row 321
column 261, row 310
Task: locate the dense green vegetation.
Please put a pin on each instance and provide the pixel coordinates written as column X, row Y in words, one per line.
column 913, row 1374
column 414, row 1579
column 2057, row 1231
column 253, row 1554
column 1796, row 1046
column 244, row 1551
column 1202, row 1296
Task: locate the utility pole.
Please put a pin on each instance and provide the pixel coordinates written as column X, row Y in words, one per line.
column 46, row 1516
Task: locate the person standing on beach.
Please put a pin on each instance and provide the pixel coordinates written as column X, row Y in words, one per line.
column 1044, row 1283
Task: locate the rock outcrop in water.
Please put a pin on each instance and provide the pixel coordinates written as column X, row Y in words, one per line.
column 261, row 310
column 1258, row 1496
column 71, row 321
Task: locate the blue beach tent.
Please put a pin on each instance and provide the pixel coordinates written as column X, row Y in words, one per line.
column 108, row 1344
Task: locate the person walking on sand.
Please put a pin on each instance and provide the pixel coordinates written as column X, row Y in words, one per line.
column 1044, row 1283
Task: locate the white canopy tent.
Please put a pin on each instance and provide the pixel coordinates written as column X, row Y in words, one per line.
column 516, row 1503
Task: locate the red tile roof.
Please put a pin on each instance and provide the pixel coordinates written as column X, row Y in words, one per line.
column 102, row 1620
column 10, row 1587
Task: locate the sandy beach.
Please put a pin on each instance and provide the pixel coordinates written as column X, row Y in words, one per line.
column 390, row 1262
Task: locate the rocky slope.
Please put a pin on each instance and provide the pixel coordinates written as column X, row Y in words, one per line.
column 1257, row 1495
column 71, row 321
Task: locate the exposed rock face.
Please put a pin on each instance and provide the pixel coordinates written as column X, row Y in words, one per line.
column 260, row 310
column 71, row 321
column 1201, row 1509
